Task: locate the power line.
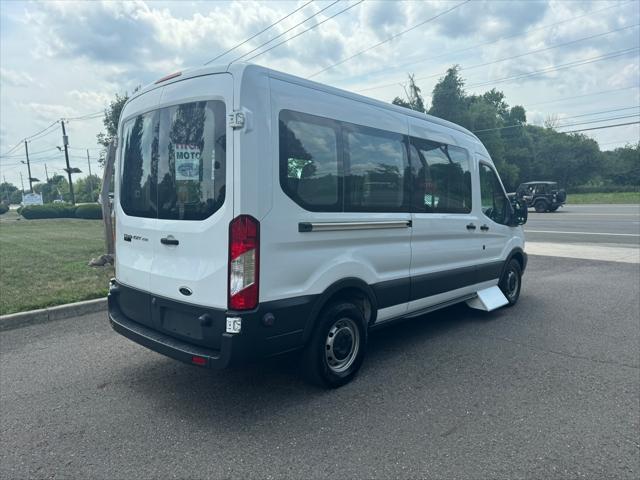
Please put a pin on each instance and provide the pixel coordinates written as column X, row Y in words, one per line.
column 259, row 33
column 556, row 100
column 557, row 126
column 620, row 117
column 531, row 52
column 554, row 68
column 600, row 128
column 491, row 42
column 598, row 113
column 387, row 39
column 41, row 131
column 88, row 116
column 283, row 33
column 305, row 31
column 30, row 153
column 27, row 138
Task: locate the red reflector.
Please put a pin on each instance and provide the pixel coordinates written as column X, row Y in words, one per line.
column 198, row 360
column 168, row 77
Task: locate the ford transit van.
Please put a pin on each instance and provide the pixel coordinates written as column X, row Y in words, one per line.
column 259, row 213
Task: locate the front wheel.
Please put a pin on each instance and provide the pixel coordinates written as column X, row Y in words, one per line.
column 337, row 346
column 540, row 206
column 554, row 208
column 511, row 281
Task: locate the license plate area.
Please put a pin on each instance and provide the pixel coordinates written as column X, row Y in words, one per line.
column 184, row 324
column 191, row 323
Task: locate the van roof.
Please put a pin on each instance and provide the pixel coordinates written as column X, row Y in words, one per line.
column 242, row 68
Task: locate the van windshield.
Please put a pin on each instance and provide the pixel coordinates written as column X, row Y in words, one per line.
column 174, row 162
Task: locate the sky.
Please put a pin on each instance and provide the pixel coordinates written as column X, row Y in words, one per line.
column 574, row 61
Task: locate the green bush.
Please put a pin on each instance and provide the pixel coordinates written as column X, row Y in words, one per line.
column 3, row 208
column 602, row 189
column 89, row 210
column 50, row 210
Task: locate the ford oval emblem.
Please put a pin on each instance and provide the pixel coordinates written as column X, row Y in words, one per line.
column 185, row 291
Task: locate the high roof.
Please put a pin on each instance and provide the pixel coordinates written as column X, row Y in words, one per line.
column 240, row 68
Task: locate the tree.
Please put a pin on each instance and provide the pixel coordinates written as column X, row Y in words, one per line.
column 524, row 152
column 110, row 121
column 449, row 100
column 8, row 193
column 87, row 189
column 414, row 99
column 622, row 165
column 56, row 188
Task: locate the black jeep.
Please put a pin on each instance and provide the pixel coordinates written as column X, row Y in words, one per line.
column 543, row 196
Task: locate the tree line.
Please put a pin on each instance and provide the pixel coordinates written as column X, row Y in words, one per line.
column 521, row 152
column 524, row 152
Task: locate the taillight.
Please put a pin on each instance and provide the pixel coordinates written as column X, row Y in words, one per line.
column 244, row 261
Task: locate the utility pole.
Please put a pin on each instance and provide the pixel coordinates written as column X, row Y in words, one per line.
column 21, row 183
column 65, row 142
column 89, row 181
column 46, row 172
column 26, row 151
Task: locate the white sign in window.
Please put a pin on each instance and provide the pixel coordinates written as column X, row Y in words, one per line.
column 187, row 162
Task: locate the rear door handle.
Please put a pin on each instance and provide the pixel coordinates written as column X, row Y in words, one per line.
column 484, row 228
column 471, row 226
column 169, row 241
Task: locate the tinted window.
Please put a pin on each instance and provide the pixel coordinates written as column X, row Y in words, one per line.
column 309, row 167
column 140, row 152
column 376, row 163
column 174, row 162
column 442, row 177
column 495, row 204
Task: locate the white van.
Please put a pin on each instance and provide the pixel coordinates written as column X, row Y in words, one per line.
column 259, row 213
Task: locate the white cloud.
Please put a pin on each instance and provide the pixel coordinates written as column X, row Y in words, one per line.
column 15, row 79
column 69, row 58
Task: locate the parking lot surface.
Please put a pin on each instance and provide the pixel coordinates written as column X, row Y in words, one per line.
column 547, row 389
column 586, row 224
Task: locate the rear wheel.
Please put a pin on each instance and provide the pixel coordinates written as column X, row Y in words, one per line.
column 337, row 346
column 540, row 206
column 511, row 281
column 554, row 208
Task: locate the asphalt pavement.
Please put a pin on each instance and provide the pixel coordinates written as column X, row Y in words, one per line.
column 581, row 224
column 547, row 389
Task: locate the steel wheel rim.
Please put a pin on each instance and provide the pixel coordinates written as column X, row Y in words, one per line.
column 512, row 283
column 342, row 345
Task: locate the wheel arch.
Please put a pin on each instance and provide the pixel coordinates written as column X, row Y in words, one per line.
column 516, row 254
column 352, row 289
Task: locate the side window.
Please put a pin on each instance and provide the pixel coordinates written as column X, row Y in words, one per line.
column 495, row 204
column 309, row 168
column 441, row 177
column 376, row 163
column 140, row 158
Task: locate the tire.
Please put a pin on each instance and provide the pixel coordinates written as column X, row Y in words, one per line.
column 337, row 346
column 511, row 282
column 540, row 206
column 554, row 208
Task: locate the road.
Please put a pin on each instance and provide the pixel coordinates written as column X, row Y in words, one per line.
column 547, row 389
column 590, row 224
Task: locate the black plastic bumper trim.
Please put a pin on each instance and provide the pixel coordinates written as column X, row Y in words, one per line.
column 167, row 345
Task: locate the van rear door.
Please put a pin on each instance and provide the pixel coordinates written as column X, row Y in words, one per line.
column 189, row 188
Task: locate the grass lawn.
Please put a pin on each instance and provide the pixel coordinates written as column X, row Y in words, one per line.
column 44, row 262
column 615, row 197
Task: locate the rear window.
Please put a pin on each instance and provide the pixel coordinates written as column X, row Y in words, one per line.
column 174, row 162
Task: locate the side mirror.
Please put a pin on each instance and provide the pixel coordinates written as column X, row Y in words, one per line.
column 519, row 212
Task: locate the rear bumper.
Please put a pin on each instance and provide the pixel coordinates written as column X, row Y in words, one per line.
column 213, row 347
column 167, row 345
